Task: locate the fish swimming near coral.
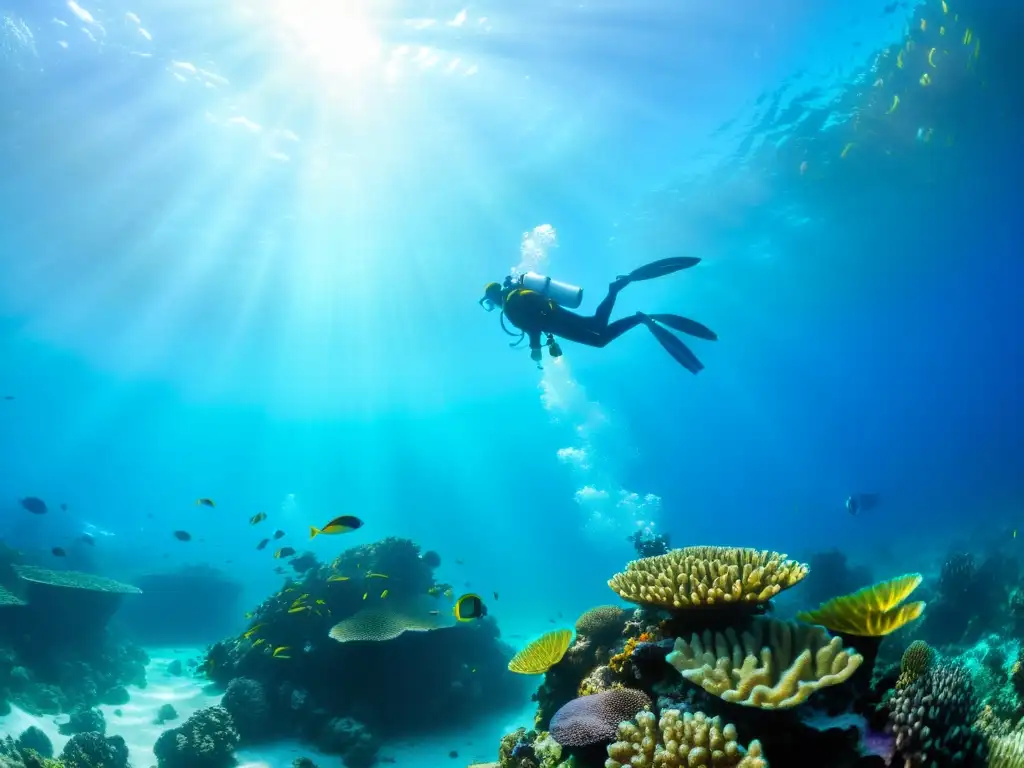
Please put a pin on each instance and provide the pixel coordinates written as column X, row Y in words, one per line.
column 343, row 524
column 279, row 652
column 183, row 536
column 34, row 505
column 284, row 552
column 205, row 503
column 259, row 517
column 278, row 534
column 469, row 607
column 338, row 578
column 263, row 544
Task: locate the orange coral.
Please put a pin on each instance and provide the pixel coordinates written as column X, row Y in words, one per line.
column 618, row 661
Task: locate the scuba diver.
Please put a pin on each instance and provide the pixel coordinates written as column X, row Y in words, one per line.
column 538, row 305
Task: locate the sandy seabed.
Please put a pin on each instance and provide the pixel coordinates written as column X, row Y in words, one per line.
column 136, row 725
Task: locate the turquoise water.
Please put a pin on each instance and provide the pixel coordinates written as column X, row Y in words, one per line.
column 244, row 244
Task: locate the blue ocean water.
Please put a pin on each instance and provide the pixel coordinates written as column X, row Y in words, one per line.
column 244, row 242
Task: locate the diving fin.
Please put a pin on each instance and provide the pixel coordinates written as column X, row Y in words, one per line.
column 687, row 326
column 662, row 267
column 674, row 346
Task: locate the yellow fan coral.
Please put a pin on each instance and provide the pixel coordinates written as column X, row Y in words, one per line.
column 775, row 665
column 542, row 654
column 870, row 612
column 705, row 576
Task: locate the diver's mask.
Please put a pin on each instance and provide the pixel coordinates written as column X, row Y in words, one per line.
column 493, row 297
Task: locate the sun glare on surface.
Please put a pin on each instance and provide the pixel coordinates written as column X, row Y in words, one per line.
column 340, row 37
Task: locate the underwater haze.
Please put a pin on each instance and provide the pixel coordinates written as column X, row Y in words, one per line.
column 250, row 393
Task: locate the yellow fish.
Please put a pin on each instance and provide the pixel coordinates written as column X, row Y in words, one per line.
column 926, row 79
column 384, row 594
column 321, row 602
column 259, row 517
column 298, row 609
column 846, row 150
column 895, row 103
column 449, row 592
column 248, row 614
column 899, row 59
column 931, row 55
column 258, row 641
column 945, row 8
column 376, row 576
column 942, row 30
column 967, row 36
column 253, row 631
column 365, row 595
column 924, row 25
column 279, row 652
column 343, row 524
column 338, row 578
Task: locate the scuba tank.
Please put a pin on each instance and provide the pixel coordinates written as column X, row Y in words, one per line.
column 563, row 294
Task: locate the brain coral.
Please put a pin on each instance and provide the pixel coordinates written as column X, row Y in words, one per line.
column 693, row 740
column 595, row 719
column 696, row 577
column 602, row 623
column 931, row 719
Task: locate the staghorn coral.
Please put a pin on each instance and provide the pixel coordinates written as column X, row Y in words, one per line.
column 602, row 624
column 692, row 740
column 696, row 577
column 541, row 654
column 207, row 739
column 775, row 665
column 915, row 662
column 594, row 719
column 874, row 611
column 931, row 719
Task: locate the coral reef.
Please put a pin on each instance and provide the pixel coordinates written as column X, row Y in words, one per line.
column 351, row 739
column 602, row 624
column 246, row 702
column 691, row 739
column 931, row 719
column 207, row 739
column 696, row 577
column 345, row 641
column 528, row 749
column 92, row 750
column 774, row 665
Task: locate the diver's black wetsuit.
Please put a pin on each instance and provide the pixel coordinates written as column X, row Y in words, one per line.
column 535, row 315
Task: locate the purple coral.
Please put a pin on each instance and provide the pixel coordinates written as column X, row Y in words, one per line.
column 591, row 720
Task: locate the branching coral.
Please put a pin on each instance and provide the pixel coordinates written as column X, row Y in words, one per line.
column 692, row 740
column 774, row 665
column 931, row 719
column 874, row 611
column 696, row 577
column 541, row 654
column 915, row 662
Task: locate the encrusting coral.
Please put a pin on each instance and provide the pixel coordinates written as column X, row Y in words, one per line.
column 874, row 611
column 541, row 654
column 691, row 740
column 774, row 665
column 696, row 577
column 915, row 662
